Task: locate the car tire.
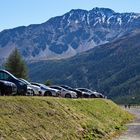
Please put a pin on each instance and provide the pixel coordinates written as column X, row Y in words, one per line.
column 67, row 95
column 47, row 93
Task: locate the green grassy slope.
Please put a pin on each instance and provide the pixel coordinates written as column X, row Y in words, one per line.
column 46, row 118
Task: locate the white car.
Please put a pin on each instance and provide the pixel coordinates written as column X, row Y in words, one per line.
column 47, row 91
column 31, row 89
column 90, row 93
column 65, row 93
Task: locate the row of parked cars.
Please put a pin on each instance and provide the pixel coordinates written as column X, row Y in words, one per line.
column 10, row 85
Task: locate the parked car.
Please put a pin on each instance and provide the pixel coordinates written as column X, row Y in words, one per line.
column 47, row 91
column 99, row 95
column 7, row 88
column 90, row 93
column 32, row 89
column 79, row 93
column 85, row 94
column 21, row 86
column 64, row 92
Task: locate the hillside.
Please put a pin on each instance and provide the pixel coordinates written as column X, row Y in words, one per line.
column 65, row 36
column 113, row 68
column 56, row 118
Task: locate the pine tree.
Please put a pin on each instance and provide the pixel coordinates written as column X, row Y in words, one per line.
column 16, row 65
column 48, row 83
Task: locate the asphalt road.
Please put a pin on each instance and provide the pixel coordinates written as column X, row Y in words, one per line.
column 133, row 131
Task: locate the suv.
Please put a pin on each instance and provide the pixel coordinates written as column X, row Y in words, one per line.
column 21, row 86
column 7, row 88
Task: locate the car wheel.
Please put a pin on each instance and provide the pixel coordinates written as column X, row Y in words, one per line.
column 47, row 93
column 67, row 95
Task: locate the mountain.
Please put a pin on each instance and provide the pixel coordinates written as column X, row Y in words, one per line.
column 67, row 35
column 112, row 68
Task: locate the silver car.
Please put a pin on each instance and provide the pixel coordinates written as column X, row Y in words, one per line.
column 64, row 92
column 90, row 93
column 32, row 89
column 47, row 91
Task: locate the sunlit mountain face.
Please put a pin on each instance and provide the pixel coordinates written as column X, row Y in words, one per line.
column 68, row 35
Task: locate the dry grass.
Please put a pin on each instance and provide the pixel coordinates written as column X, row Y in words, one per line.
column 48, row 118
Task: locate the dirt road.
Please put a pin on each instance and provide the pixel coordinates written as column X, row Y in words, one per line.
column 133, row 132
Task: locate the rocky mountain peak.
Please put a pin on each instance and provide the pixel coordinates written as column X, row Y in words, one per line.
column 67, row 35
column 102, row 10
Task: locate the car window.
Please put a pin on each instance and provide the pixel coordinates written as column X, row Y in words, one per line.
column 25, row 81
column 4, row 76
column 56, row 88
column 65, row 87
column 81, row 89
column 44, row 86
column 69, row 88
column 35, row 84
column 85, row 90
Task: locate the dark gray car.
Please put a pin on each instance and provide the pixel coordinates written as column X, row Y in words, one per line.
column 21, row 86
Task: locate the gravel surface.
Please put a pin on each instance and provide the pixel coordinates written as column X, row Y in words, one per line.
column 133, row 132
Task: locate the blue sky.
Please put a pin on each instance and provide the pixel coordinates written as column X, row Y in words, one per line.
column 15, row 13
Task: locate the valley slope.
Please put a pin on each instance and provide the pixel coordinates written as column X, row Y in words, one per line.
column 113, row 68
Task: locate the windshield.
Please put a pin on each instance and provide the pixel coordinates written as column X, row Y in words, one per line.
column 44, row 86
column 26, row 82
column 66, row 87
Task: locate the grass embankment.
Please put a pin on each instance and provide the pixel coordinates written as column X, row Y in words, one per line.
column 46, row 118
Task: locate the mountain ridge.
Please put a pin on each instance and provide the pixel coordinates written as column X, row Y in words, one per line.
column 67, row 35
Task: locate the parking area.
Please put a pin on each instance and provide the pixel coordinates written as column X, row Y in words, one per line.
column 11, row 85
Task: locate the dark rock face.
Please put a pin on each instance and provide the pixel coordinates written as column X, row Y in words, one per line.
column 67, row 35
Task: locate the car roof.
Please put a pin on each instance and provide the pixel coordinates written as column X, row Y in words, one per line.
column 65, row 86
column 35, row 83
column 53, row 86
